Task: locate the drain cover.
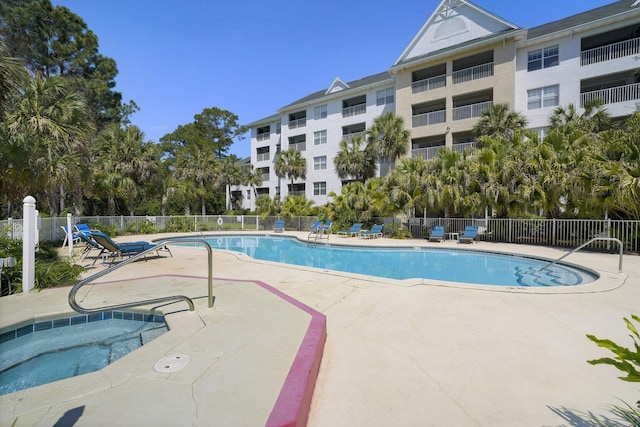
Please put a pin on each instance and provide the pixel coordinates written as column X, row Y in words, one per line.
column 172, row 363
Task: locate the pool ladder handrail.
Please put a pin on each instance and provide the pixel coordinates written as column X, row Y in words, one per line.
column 81, row 283
column 608, row 239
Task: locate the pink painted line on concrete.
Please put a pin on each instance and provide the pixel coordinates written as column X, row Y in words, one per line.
column 294, row 401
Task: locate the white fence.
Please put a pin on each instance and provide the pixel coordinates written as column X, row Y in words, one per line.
column 547, row 232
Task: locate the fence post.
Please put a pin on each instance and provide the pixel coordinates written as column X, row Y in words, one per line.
column 28, row 243
column 553, row 233
column 69, row 236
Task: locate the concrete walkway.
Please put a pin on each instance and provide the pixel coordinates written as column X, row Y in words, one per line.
column 400, row 353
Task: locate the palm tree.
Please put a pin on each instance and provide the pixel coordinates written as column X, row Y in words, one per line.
column 53, row 119
column 13, row 75
column 354, row 162
column 405, row 185
column 499, row 121
column 387, row 138
column 593, row 119
column 201, row 168
column 291, row 164
column 297, row 206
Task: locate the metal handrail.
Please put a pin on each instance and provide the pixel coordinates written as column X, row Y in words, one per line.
column 608, row 239
column 81, row 283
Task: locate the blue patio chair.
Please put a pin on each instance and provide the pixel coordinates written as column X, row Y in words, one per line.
column 116, row 249
column 353, row 231
column 83, row 229
column 90, row 244
column 69, row 235
column 374, row 233
column 469, row 235
column 437, row 233
column 279, row 226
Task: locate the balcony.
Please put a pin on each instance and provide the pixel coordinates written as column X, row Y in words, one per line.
column 473, row 73
column 354, row 110
column 426, row 119
column 465, row 146
column 630, row 92
column 610, row 52
column 297, row 123
column 265, row 177
column 262, row 156
column 262, row 136
column 350, row 136
column 427, row 153
column 298, row 146
column 471, row 110
column 429, row 84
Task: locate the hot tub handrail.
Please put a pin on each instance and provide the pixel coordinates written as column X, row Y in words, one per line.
column 81, row 283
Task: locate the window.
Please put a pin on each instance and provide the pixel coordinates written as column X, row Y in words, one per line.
column 542, row 97
column 320, row 112
column 319, row 188
column 542, row 133
column 320, row 137
column 319, row 163
column 384, row 96
column 543, row 58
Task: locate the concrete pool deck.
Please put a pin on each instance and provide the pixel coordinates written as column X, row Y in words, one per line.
column 401, row 353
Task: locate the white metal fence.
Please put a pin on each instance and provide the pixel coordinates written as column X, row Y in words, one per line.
column 547, row 232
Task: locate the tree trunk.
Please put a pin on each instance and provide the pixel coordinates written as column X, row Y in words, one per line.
column 163, row 205
column 62, row 197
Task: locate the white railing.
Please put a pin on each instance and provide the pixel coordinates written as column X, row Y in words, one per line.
column 551, row 232
column 293, row 124
column 299, row 146
column 427, row 119
column 354, row 110
column 470, row 111
column 262, row 157
column 610, row 51
column 348, row 137
column 429, row 84
column 262, row 136
column 464, row 145
column 612, row 95
column 473, row 73
column 427, row 153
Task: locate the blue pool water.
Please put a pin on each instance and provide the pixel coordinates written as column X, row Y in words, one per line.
column 55, row 349
column 406, row 263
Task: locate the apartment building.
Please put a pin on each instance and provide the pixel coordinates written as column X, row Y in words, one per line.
column 315, row 125
column 595, row 54
column 462, row 60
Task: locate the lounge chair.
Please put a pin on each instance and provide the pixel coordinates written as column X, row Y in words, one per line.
column 437, row 233
column 279, row 226
column 69, row 235
column 116, row 249
column 469, row 235
column 316, row 227
column 83, row 229
column 353, row 231
column 374, row 233
column 90, row 244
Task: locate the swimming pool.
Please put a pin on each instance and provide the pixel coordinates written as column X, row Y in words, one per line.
column 51, row 350
column 465, row 266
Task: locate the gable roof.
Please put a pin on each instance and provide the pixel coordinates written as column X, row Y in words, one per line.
column 452, row 23
column 350, row 87
column 618, row 8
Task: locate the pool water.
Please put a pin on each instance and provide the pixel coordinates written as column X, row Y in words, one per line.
column 61, row 348
column 450, row 265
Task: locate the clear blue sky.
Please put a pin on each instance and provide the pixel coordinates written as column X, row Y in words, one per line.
column 252, row 57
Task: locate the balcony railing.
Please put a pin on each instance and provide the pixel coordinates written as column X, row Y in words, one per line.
column 429, row 84
column 265, row 177
column 470, row 111
column 465, row 145
column 348, row 137
column 427, row 119
column 354, row 110
column 263, row 136
column 297, row 193
column 610, row 51
column 293, row 124
column 473, row 73
column 299, row 146
column 262, row 156
column 427, row 153
column 612, row 95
